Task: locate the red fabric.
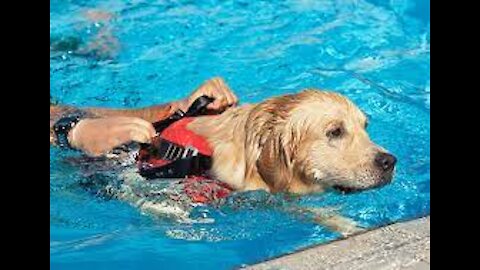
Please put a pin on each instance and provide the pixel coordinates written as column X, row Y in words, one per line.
column 179, row 134
column 198, row 188
column 203, row 190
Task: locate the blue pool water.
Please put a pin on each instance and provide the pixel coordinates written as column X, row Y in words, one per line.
column 377, row 52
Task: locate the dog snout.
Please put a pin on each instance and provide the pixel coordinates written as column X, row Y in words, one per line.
column 385, row 161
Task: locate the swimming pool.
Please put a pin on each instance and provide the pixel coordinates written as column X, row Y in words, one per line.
column 375, row 52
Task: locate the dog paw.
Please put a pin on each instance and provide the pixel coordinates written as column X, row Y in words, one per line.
column 336, row 222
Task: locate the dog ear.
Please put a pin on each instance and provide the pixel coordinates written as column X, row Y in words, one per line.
column 275, row 161
column 270, row 144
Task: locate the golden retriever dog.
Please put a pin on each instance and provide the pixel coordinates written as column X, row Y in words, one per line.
column 299, row 143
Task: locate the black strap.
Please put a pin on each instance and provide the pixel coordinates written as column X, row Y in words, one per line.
column 163, row 124
column 197, row 108
column 180, row 168
column 63, row 126
column 186, row 161
column 171, row 151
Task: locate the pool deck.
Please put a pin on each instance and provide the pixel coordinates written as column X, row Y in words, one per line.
column 404, row 245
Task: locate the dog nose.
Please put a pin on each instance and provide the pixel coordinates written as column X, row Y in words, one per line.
column 385, row 161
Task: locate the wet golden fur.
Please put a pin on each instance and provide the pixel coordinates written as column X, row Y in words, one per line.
column 281, row 144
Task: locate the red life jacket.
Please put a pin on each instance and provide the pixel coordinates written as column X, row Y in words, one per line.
column 178, row 152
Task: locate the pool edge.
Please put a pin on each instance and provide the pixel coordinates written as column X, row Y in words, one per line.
column 403, row 245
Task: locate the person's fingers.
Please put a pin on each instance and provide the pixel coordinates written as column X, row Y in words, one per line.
column 139, row 136
column 217, row 89
column 229, row 99
column 235, row 99
column 130, row 132
column 232, row 99
column 223, row 90
column 218, row 83
column 204, row 90
column 140, row 133
column 217, row 104
column 226, row 91
column 146, row 125
column 118, row 138
column 218, row 92
column 128, row 121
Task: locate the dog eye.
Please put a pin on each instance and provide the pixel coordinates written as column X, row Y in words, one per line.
column 335, row 133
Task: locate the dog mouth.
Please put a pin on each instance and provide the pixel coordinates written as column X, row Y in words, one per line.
column 350, row 189
column 346, row 190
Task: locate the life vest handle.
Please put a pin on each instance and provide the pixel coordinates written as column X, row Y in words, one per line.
column 197, row 108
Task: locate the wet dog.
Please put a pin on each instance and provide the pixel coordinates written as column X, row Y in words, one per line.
column 301, row 143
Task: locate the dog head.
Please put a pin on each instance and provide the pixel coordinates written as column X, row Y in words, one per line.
column 317, row 138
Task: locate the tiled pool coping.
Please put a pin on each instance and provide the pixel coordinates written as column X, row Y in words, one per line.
column 404, row 245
